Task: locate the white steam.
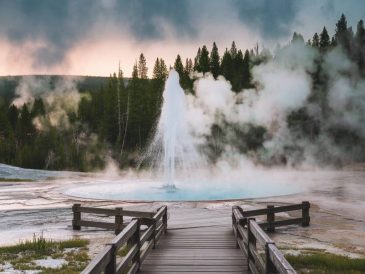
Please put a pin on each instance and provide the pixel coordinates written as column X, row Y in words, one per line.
column 283, row 84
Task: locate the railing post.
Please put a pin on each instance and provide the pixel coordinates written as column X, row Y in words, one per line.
column 269, row 267
column 270, row 218
column 76, row 217
column 164, row 219
column 251, row 240
column 111, row 267
column 153, row 236
column 136, row 240
column 118, row 220
column 305, row 213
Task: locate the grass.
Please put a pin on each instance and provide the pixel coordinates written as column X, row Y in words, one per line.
column 22, row 255
column 326, row 263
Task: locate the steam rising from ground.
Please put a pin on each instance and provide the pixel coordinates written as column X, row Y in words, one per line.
column 283, row 85
column 60, row 99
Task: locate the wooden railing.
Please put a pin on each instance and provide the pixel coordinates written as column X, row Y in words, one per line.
column 270, row 211
column 250, row 237
column 138, row 244
column 118, row 213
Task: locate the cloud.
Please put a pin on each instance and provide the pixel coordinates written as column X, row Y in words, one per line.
column 49, row 31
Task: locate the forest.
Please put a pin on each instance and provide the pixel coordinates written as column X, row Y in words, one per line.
column 114, row 117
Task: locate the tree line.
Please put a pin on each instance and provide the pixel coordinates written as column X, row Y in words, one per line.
column 118, row 119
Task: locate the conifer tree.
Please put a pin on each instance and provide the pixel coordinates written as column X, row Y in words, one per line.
column 246, row 72
column 343, row 35
column 178, row 66
column 135, row 71
column 204, row 60
column 156, row 69
column 360, row 35
column 214, row 61
column 142, row 67
column 196, row 60
column 324, row 39
column 227, row 65
column 315, row 40
column 233, row 50
column 188, row 66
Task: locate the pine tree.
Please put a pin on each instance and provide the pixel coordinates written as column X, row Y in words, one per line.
column 196, row 60
column 360, row 45
column 227, row 65
column 142, row 67
column 233, row 50
column 214, row 61
column 178, row 66
column 135, row 71
column 163, row 69
column 360, row 35
column 188, row 66
column 297, row 38
column 156, row 69
column 204, row 60
column 315, row 40
column 343, row 35
column 246, row 72
column 324, row 39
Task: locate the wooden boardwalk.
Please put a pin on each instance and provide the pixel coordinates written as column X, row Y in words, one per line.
column 196, row 250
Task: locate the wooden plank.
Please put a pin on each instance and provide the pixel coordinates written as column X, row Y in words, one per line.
column 288, row 208
column 259, row 234
column 134, row 268
column 279, row 261
column 146, row 235
column 159, row 213
column 96, row 210
column 124, row 264
column 259, row 262
column 253, row 268
column 99, row 263
column 126, row 233
column 255, row 212
column 96, row 224
column 138, row 214
column 202, row 262
column 193, row 268
column 145, row 252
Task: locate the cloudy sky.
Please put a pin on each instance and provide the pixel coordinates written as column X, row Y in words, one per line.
column 89, row 37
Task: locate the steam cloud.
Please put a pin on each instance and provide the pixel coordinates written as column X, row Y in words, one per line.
column 60, row 99
column 284, row 85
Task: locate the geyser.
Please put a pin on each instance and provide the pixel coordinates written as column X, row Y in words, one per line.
column 172, row 139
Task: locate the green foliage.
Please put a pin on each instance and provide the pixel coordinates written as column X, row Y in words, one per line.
column 326, row 263
column 22, row 255
column 215, row 61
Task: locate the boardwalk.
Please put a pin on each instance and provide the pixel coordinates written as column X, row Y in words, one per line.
column 195, row 250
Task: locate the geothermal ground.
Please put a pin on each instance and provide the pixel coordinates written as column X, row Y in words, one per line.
column 337, row 211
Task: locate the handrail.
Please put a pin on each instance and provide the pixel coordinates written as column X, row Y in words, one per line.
column 248, row 234
column 139, row 245
column 118, row 213
column 270, row 211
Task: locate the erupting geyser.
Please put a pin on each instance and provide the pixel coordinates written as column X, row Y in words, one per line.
column 172, row 147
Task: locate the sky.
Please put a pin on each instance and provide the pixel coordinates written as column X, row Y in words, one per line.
column 90, row 37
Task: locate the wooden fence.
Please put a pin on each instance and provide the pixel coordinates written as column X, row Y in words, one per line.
column 270, row 211
column 118, row 214
column 250, row 237
column 139, row 244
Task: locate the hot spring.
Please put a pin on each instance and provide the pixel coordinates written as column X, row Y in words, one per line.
column 181, row 172
column 176, row 170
